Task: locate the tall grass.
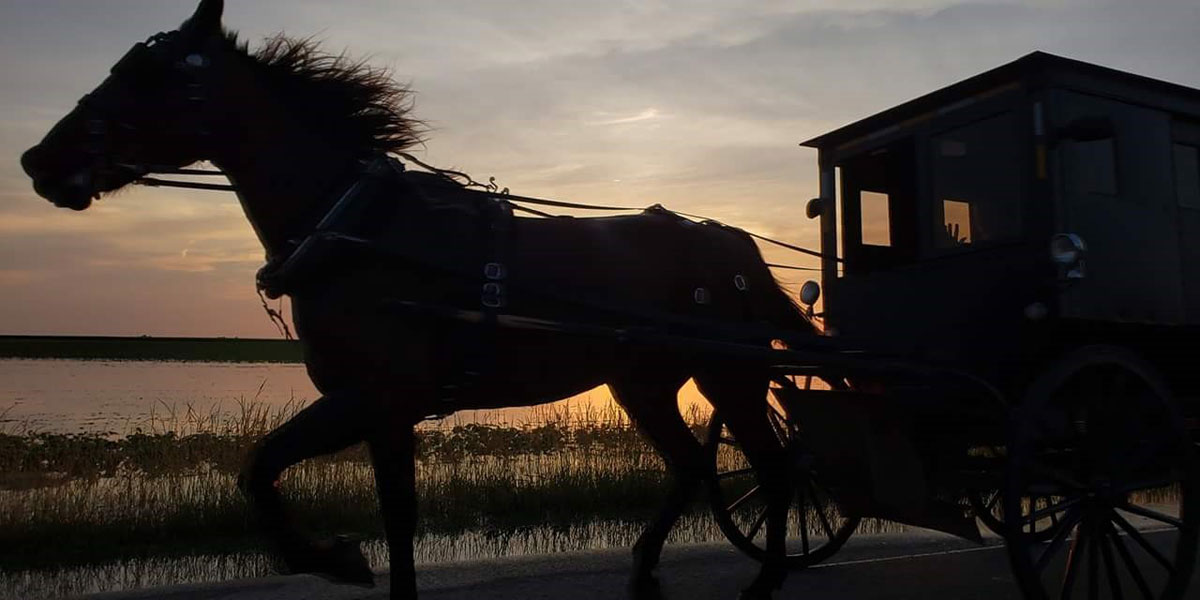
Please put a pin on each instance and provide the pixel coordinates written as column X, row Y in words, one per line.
column 168, row 489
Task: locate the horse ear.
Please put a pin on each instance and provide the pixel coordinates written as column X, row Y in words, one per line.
column 207, row 18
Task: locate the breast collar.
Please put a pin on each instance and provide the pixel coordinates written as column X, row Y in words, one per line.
column 280, row 273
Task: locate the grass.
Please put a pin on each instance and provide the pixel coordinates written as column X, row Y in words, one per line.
column 72, row 500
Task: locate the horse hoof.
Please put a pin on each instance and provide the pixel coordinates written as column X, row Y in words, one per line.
column 752, row 594
column 339, row 560
column 344, row 559
column 645, row 587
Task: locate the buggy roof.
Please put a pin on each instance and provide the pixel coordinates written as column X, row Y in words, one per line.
column 1034, row 70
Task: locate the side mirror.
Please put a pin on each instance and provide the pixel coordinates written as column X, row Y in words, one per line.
column 1087, row 129
column 814, row 208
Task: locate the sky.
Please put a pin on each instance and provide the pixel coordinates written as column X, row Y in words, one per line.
column 698, row 105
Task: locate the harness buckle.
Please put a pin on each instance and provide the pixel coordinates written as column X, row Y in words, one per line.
column 493, row 295
column 495, row 271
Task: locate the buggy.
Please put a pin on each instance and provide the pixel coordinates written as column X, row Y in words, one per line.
column 1011, row 299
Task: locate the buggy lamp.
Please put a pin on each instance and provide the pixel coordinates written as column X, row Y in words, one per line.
column 814, row 208
column 1067, row 250
column 810, row 292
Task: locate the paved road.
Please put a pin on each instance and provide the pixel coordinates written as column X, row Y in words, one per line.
column 868, row 568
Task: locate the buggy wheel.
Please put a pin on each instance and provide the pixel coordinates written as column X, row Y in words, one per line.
column 988, row 506
column 816, row 524
column 1099, row 441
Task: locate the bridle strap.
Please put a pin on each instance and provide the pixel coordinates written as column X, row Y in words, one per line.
column 189, row 185
column 168, row 170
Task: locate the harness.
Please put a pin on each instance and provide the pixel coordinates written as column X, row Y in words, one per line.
column 339, row 227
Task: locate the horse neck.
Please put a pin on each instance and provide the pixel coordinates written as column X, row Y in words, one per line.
column 286, row 177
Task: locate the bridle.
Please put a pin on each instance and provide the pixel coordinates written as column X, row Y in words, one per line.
column 102, row 119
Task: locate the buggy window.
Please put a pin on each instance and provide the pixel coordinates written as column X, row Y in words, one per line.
column 977, row 183
column 876, row 228
column 879, row 208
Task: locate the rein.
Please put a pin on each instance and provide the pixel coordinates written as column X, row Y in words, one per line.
column 165, row 170
column 494, row 191
column 490, row 190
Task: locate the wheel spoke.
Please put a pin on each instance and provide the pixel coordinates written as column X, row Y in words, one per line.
column 803, row 522
column 1130, row 564
column 1072, row 555
column 1067, row 527
column 1050, row 510
column 991, row 504
column 820, row 510
column 1142, row 541
column 1150, row 514
column 1110, row 566
column 740, row 501
column 1093, row 568
column 758, row 523
column 1031, row 524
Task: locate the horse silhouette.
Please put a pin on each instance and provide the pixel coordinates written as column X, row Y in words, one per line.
column 403, row 284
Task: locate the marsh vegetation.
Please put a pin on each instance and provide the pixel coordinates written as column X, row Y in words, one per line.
column 102, row 510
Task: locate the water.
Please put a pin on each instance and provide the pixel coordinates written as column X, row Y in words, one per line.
column 65, row 396
column 118, row 396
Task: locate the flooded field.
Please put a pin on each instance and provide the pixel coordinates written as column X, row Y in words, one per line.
column 120, row 396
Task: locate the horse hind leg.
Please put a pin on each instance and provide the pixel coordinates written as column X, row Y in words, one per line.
column 652, row 405
column 740, row 398
column 328, row 425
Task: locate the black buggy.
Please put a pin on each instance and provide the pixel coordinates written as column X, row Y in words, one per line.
column 1011, row 278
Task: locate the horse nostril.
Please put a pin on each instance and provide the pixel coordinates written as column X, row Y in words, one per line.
column 30, row 161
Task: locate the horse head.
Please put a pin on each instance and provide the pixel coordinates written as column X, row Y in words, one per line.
column 152, row 112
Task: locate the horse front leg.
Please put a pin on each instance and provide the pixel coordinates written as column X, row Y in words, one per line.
column 740, row 398
column 652, row 405
column 393, row 455
column 331, row 423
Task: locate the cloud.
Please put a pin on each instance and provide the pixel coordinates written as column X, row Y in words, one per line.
column 697, row 104
column 650, row 114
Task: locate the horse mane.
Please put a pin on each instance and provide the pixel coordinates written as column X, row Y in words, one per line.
column 349, row 100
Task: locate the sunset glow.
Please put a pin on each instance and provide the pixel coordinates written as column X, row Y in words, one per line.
column 695, row 105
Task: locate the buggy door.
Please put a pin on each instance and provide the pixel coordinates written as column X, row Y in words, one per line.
column 1116, row 190
column 1185, row 149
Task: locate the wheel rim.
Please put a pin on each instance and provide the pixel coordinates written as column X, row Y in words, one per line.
column 816, row 526
column 1099, row 443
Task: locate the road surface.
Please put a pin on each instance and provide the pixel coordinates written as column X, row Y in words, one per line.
column 880, row 567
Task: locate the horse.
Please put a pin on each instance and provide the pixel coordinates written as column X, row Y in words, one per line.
column 420, row 323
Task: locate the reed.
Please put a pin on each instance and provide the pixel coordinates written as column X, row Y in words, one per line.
column 168, row 487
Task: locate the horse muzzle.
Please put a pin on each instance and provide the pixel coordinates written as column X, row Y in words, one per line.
column 74, row 190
